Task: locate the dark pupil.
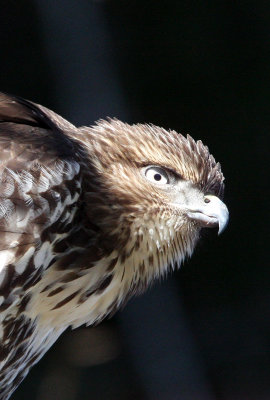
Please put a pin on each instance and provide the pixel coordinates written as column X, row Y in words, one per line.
column 157, row 177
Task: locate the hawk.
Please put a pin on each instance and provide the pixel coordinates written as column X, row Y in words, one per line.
column 88, row 217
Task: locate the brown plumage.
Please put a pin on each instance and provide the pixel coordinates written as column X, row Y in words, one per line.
column 88, row 217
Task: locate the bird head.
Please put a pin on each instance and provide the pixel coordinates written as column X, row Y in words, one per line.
column 155, row 190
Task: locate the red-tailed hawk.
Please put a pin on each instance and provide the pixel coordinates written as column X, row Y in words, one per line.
column 88, row 217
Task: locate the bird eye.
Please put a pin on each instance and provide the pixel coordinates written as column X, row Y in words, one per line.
column 157, row 175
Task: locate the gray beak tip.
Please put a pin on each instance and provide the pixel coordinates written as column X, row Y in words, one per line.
column 223, row 220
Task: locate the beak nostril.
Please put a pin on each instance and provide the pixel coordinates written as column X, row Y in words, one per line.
column 206, row 200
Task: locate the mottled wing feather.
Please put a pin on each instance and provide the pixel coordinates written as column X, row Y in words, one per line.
column 40, row 182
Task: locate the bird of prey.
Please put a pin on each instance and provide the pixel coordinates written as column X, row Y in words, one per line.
column 88, row 217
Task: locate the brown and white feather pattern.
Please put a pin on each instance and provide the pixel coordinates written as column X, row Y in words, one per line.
column 80, row 229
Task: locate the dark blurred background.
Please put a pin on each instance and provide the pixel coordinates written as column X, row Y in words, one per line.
column 199, row 67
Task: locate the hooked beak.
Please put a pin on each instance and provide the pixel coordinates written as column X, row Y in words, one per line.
column 212, row 213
